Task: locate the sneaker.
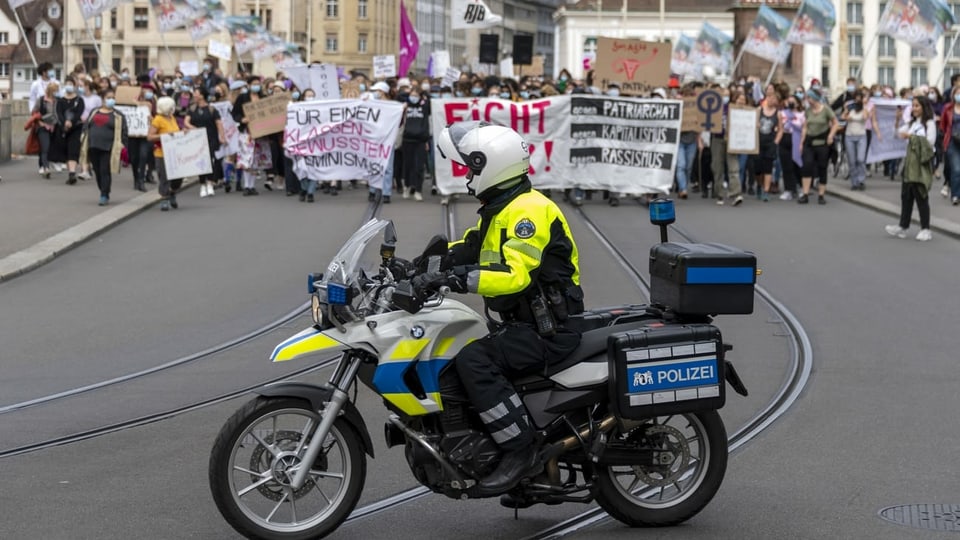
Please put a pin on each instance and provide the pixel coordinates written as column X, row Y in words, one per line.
column 211, row 190
column 786, row 196
column 203, row 190
column 738, row 201
column 719, row 202
column 173, row 201
column 955, row 201
column 268, row 185
column 924, row 235
column 821, row 200
column 164, row 206
column 944, row 191
column 303, row 196
column 417, row 196
column 386, row 199
column 71, row 179
column 895, row 230
column 309, row 198
column 247, row 192
column 82, row 176
column 103, row 200
column 614, row 201
column 43, row 171
column 405, row 193
column 226, row 187
column 765, row 197
column 803, row 199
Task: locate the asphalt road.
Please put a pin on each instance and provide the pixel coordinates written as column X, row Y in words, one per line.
column 874, row 428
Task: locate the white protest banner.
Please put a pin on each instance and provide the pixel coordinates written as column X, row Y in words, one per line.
column 742, row 135
column 439, row 62
column 343, row 139
column 384, row 66
column 186, row 153
column 92, row 8
column 230, row 131
column 190, row 68
column 506, row 67
column 137, row 118
column 450, row 77
column 218, row 49
column 593, row 142
column 300, row 75
column 172, row 14
column 885, row 144
column 472, row 14
column 324, row 82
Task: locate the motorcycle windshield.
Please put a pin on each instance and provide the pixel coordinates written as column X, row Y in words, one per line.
column 344, row 267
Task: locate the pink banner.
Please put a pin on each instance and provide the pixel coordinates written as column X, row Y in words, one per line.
column 409, row 42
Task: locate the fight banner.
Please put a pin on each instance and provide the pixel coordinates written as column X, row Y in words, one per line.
column 172, row 14
column 92, row 8
column 713, row 48
column 917, row 22
column 681, row 62
column 473, row 14
column 346, row 139
column 594, row 142
column 813, row 24
column 768, row 36
column 230, row 132
column 885, row 143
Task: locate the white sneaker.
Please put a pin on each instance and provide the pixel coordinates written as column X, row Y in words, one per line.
column 719, row 202
column 786, row 196
column 405, row 193
column 945, row 191
column 895, row 230
column 924, row 235
column 211, row 189
column 59, row 167
column 417, row 196
column 42, row 171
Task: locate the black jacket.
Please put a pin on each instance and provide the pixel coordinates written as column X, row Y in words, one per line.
column 417, row 123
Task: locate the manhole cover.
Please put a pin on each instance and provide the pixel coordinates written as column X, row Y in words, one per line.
column 937, row 517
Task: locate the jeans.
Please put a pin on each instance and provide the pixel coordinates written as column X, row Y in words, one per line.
column 953, row 166
column 308, row 186
column 857, row 158
column 685, row 156
column 387, row 179
column 45, row 137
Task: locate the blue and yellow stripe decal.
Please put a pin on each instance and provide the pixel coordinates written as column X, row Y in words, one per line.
column 308, row 341
column 388, row 379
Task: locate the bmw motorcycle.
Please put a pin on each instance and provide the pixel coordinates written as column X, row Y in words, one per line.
column 628, row 420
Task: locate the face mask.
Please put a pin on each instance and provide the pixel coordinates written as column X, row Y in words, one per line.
column 309, row 98
column 59, row 94
column 186, row 88
column 363, row 87
column 206, row 67
column 932, row 96
column 459, row 93
column 177, row 82
column 148, row 95
column 851, row 88
column 167, row 86
column 434, row 95
column 908, row 96
column 798, row 95
column 815, row 87
column 184, row 102
column 877, row 94
column 563, row 78
column 124, row 77
column 446, row 95
column 613, row 92
column 110, row 102
column 726, row 99
column 425, row 87
column 956, row 98
column 270, row 92
column 524, row 94
column 255, row 89
column 295, row 95
column 476, row 90
column 68, row 89
column 81, row 90
column 505, row 95
column 413, row 99
column 51, row 74
column 113, row 84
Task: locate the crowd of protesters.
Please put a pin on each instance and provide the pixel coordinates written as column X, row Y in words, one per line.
column 801, row 132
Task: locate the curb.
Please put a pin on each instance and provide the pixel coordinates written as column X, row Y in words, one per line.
column 940, row 225
column 37, row 255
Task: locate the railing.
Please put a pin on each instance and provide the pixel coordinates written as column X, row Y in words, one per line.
column 82, row 37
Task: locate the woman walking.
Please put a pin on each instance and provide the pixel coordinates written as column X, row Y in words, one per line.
column 106, row 135
column 950, row 126
column 91, row 102
column 816, row 138
column 162, row 124
column 856, row 117
column 204, row 116
column 768, row 126
column 921, row 132
column 70, row 110
column 47, row 109
column 791, row 120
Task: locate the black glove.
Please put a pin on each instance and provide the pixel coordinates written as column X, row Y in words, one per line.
column 432, row 281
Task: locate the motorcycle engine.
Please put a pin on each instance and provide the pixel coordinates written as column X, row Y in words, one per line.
column 473, row 452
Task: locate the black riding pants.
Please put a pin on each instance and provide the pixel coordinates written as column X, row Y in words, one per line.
column 486, row 367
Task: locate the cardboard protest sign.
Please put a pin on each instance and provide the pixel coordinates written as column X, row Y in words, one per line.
column 266, row 116
column 186, row 153
column 633, row 64
column 593, row 142
column 127, row 95
column 710, row 108
column 384, row 66
column 220, row 50
column 137, row 118
column 692, row 118
column 347, row 138
column 743, row 136
column 535, row 69
column 350, row 90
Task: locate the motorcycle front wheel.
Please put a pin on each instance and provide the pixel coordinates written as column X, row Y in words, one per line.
column 688, row 458
column 253, row 461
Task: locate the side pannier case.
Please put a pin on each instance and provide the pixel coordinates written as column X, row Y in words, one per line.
column 702, row 279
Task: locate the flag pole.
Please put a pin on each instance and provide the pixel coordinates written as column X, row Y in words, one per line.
column 866, row 54
column 947, row 55
column 163, row 39
column 23, row 33
column 93, row 39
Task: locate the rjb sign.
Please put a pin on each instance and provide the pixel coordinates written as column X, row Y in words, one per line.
column 473, row 14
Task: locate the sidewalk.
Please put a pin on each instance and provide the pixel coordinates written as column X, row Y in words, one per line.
column 41, row 219
column 883, row 195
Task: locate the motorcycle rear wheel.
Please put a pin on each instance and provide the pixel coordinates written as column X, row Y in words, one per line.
column 692, row 450
column 257, row 451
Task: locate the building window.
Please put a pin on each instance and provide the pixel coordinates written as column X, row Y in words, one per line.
column 53, row 10
column 955, row 6
column 141, row 60
column 90, row 59
column 331, row 43
column 887, row 46
column 885, row 76
column 948, row 40
column 113, row 19
column 4, row 37
column 854, row 70
column 854, row 12
column 362, row 9
column 43, row 39
column 856, row 44
column 265, row 16
column 362, row 43
column 141, row 18
column 918, row 76
column 918, row 53
column 115, row 65
column 4, row 69
column 332, row 8
column 950, row 71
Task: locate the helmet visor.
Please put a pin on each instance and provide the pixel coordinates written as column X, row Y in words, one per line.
column 453, row 134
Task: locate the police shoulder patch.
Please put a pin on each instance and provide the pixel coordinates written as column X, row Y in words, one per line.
column 525, row 229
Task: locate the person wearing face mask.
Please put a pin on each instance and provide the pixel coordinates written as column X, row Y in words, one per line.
column 106, row 135
column 790, row 126
column 856, row 141
column 45, row 75
column 70, row 110
column 477, row 89
column 48, row 124
column 162, row 124
column 817, row 138
column 416, row 133
column 950, row 127
column 248, row 165
column 209, row 78
column 202, row 115
column 91, row 102
column 279, row 162
column 841, row 103
column 139, row 148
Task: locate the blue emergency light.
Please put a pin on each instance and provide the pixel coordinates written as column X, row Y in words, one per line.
column 662, row 213
column 337, row 294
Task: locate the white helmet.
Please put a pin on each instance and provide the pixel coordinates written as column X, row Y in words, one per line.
column 493, row 154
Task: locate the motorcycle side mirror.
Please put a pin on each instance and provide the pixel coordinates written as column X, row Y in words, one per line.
column 406, row 298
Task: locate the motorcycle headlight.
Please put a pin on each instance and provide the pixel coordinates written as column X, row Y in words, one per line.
column 316, row 308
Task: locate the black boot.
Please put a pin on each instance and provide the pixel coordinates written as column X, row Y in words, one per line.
column 138, row 185
column 514, row 466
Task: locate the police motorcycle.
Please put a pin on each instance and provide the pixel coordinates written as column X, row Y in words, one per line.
column 629, row 419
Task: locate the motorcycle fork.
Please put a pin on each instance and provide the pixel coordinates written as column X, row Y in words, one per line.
column 343, row 376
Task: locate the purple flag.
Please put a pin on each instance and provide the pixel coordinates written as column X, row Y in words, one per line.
column 409, row 42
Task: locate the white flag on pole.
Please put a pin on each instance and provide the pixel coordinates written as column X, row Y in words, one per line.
column 473, row 14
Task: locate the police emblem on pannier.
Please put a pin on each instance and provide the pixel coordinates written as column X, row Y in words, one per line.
column 525, row 229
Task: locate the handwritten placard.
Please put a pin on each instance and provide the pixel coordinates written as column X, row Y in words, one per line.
column 267, row 116
column 190, row 68
column 440, row 61
column 450, row 77
column 324, row 81
column 384, row 66
column 230, row 131
column 218, row 49
column 127, row 95
column 742, row 136
column 506, row 67
column 186, row 153
column 137, row 118
column 692, row 118
column 635, row 65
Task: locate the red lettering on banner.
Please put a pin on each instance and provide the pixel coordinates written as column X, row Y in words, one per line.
column 487, row 110
column 520, row 118
column 451, row 109
column 541, row 107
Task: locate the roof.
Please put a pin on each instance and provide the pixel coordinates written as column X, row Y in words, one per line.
column 673, row 6
column 31, row 15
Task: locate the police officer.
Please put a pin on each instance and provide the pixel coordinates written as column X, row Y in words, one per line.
column 522, row 259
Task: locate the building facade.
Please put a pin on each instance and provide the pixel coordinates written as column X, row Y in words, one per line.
column 43, row 23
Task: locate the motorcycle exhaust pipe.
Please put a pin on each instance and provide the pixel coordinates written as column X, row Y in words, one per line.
column 458, row 482
column 574, row 440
